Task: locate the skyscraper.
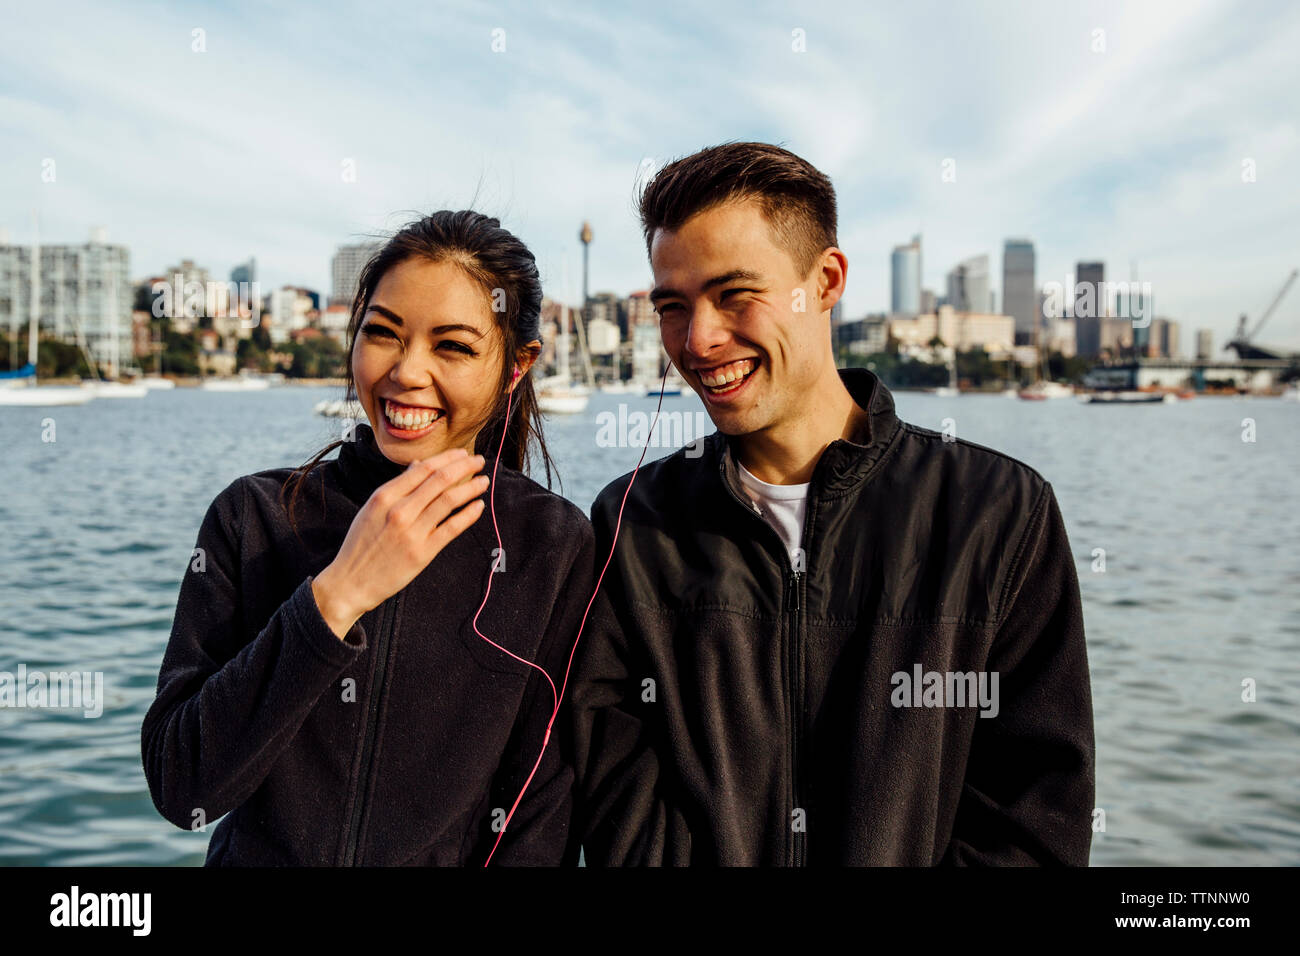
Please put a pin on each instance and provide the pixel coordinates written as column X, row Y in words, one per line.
column 968, row 285
column 345, row 270
column 1204, row 344
column 1090, row 289
column 905, row 278
column 1089, row 309
column 1019, row 299
column 245, row 271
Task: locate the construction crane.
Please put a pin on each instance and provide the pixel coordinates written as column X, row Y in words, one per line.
column 1244, row 342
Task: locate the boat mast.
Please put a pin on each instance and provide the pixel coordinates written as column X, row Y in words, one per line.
column 562, row 348
column 114, row 345
column 1040, row 371
column 35, row 292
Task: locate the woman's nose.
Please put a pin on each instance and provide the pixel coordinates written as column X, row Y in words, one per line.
column 412, row 370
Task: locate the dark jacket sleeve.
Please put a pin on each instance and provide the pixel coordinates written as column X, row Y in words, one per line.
column 541, row 832
column 1029, row 787
column 228, row 705
column 626, row 812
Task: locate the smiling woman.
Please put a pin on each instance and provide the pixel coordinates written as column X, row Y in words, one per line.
column 437, row 312
column 337, row 683
column 418, row 371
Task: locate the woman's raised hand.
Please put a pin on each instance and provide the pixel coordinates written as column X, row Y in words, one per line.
column 397, row 532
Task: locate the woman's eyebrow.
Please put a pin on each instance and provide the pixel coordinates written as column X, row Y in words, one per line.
column 436, row 330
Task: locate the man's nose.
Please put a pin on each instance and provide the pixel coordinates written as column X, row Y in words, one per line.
column 707, row 331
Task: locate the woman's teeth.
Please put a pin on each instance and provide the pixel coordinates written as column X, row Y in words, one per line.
column 719, row 379
column 403, row 416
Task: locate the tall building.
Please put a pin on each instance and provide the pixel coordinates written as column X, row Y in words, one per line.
column 968, row 285
column 1019, row 291
column 1090, row 290
column 1164, row 338
column 345, row 271
column 85, row 293
column 905, row 278
column 1092, row 334
column 245, row 272
column 1204, row 343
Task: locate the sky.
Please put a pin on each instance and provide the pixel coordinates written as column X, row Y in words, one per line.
column 1157, row 137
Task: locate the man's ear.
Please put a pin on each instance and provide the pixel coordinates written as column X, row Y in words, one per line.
column 832, row 278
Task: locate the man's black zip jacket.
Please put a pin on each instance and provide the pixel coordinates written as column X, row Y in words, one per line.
column 406, row 742
column 731, row 709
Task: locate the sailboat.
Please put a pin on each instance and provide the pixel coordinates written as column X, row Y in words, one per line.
column 111, row 387
column 1011, row 391
column 245, row 381
column 951, row 389
column 1042, row 387
column 19, row 386
column 556, row 394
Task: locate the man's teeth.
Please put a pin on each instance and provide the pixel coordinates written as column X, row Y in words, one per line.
column 725, row 375
column 410, row 418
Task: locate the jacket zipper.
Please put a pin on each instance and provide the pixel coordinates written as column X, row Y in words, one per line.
column 795, row 843
column 352, row 831
column 799, row 840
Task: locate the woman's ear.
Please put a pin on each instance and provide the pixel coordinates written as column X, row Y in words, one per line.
column 524, row 361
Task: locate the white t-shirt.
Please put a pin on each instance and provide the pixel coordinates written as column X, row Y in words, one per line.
column 782, row 505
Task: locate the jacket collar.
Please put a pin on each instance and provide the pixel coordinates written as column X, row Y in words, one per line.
column 844, row 463
column 363, row 466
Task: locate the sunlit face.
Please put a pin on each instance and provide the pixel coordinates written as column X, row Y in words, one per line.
column 732, row 320
column 427, row 360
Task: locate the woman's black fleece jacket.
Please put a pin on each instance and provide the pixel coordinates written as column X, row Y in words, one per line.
column 405, row 743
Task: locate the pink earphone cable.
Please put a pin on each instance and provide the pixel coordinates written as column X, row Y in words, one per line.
column 556, row 697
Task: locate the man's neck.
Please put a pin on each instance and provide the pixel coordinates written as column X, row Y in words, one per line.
column 787, row 453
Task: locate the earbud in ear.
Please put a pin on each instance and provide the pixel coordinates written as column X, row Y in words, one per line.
column 517, row 374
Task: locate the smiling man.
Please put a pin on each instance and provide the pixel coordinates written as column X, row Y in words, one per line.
column 791, row 658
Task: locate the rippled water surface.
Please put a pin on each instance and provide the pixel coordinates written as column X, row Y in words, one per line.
column 1200, row 592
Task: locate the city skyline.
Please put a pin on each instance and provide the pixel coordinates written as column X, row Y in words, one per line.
column 231, row 160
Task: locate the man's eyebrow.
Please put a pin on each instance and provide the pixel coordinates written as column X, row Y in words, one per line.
column 436, row 330
column 741, row 275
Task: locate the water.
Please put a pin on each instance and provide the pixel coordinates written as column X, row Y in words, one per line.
column 1201, row 590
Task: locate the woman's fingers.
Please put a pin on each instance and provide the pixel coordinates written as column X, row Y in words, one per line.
column 395, row 489
column 454, row 525
column 438, row 478
column 445, row 504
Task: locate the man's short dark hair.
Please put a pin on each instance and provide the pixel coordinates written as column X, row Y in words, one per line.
column 797, row 200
